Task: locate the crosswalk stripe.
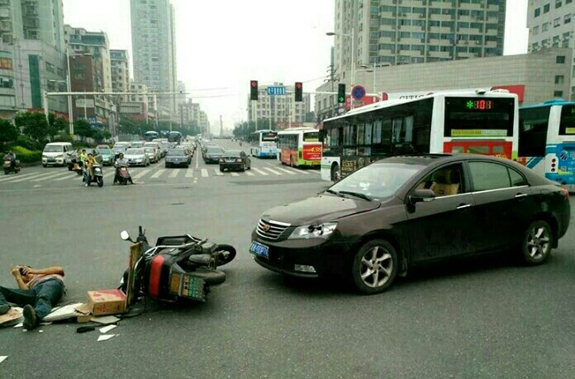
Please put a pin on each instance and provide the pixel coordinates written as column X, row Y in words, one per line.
column 108, row 174
column 158, row 173
column 50, row 177
column 260, row 171
column 30, row 177
column 190, row 173
column 273, row 171
column 235, row 174
column 250, row 173
column 16, row 176
column 141, row 173
column 204, row 173
column 298, row 170
column 74, row 175
column 284, row 170
column 218, row 173
column 174, row 173
column 316, row 172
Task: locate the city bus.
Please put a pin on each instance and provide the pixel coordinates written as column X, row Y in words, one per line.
column 264, row 144
column 175, row 137
column 150, row 135
column 299, row 147
column 480, row 122
column 547, row 140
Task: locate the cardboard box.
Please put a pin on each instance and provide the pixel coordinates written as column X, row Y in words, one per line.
column 107, row 302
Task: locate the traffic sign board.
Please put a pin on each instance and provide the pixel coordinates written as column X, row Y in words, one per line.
column 276, row 90
column 358, row 92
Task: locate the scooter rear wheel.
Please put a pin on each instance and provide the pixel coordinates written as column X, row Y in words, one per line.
column 226, row 254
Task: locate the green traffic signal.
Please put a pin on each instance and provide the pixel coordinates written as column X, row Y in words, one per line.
column 470, row 105
column 341, row 93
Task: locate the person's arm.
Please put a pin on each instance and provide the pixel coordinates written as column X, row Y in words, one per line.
column 18, row 277
column 45, row 271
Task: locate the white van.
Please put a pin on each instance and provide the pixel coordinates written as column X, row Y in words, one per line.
column 57, row 153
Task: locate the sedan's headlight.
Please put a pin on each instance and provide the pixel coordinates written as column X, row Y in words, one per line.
column 313, row 231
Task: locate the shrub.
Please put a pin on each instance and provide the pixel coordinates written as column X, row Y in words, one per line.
column 27, row 156
column 27, row 143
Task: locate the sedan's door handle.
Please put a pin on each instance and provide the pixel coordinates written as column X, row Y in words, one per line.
column 520, row 195
column 463, row 206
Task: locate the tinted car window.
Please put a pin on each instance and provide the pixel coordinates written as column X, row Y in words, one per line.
column 516, row 178
column 488, row 176
column 446, row 181
column 233, row 154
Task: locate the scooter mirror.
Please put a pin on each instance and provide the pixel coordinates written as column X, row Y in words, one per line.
column 125, row 235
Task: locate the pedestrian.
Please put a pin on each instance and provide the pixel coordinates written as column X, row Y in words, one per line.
column 38, row 291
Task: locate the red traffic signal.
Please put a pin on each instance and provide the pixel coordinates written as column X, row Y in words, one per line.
column 298, row 91
column 253, row 90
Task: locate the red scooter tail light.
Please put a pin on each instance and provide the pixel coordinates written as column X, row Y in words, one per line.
column 565, row 192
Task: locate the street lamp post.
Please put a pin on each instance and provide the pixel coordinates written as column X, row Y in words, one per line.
column 69, row 86
column 352, row 36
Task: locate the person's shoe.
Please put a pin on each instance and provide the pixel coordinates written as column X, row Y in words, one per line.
column 4, row 308
column 30, row 318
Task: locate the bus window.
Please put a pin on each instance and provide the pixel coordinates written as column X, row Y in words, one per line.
column 478, row 149
column 396, row 130
column 377, row 132
column 368, row 131
column 360, row 134
column 533, row 124
column 349, row 133
column 498, row 150
column 311, row 137
column 479, row 117
column 567, row 125
column 458, row 150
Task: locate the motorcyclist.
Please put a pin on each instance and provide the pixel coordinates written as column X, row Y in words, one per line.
column 11, row 157
column 120, row 162
column 88, row 173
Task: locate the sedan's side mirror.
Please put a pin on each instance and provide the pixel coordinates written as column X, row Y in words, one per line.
column 422, row 195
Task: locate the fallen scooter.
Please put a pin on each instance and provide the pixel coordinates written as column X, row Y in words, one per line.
column 11, row 166
column 123, row 176
column 177, row 268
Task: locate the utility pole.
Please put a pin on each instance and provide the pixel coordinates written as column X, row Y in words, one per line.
column 221, row 127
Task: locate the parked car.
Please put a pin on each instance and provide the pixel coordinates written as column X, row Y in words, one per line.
column 57, row 154
column 235, row 160
column 108, row 155
column 152, row 153
column 405, row 211
column 137, row 157
column 213, row 154
column 177, row 157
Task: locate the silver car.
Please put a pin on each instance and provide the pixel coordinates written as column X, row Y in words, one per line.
column 152, row 153
column 137, row 157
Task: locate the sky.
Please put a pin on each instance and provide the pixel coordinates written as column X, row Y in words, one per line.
column 222, row 45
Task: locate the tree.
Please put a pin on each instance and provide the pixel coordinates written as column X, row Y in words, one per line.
column 83, row 129
column 8, row 132
column 55, row 125
column 33, row 125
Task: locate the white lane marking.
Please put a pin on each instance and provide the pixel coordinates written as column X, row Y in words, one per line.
column 250, row 173
column 72, row 176
column 190, row 173
column 298, row 170
column 158, row 173
column 109, row 174
column 50, row 177
column 316, row 172
column 204, row 173
column 141, row 173
column 197, row 160
column 174, row 173
column 235, row 174
column 217, row 171
column 260, row 171
column 273, row 171
column 37, row 185
column 16, row 176
column 284, row 170
column 28, row 178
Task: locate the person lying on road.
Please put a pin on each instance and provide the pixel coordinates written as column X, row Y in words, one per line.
column 38, row 291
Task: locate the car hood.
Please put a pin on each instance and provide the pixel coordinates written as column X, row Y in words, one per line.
column 138, row 156
column 317, row 209
column 177, row 157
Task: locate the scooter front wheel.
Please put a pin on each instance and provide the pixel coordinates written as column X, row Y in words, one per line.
column 6, row 172
column 226, row 254
column 100, row 181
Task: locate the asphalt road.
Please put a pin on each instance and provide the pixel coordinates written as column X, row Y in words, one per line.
column 484, row 318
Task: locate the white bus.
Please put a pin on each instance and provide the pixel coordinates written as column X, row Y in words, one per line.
column 547, row 140
column 299, row 147
column 480, row 122
column 264, row 144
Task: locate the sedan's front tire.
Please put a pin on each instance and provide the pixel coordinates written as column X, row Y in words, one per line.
column 374, row 266
column 537, row 243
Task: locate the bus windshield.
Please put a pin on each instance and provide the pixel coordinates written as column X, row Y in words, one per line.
column 479, row 117
column 311, row 137
column 567, row 124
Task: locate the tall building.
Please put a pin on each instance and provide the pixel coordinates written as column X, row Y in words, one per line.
column 154, row 47
column 551, row 23
column 120, row 62
column 393, row 32
column 31, row 55
column 276, row 112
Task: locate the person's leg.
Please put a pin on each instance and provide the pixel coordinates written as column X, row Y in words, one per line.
column 48, row 294
column 16, row 296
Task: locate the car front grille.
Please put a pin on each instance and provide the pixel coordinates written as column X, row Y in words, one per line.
column 271, row 229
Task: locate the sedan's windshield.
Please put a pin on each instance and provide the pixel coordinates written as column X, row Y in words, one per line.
column 149, row 149
column 378, row 181
column 215, row 150
column 135, row 151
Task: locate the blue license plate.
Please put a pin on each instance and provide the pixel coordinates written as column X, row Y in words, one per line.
column 259, row 249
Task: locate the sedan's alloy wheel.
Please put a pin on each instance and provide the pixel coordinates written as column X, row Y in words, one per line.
column 538, row 242
column 376, row 267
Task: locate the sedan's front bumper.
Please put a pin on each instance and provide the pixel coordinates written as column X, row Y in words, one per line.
column 133, row 163
column 324, row 255
column 212, row 160
column 230, row 166
column 178, row 163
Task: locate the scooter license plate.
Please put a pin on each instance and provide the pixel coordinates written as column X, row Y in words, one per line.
column 260, row 250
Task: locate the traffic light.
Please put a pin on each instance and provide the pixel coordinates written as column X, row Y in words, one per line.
column 253, row 90
column 341, row 93
column 298, row 91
